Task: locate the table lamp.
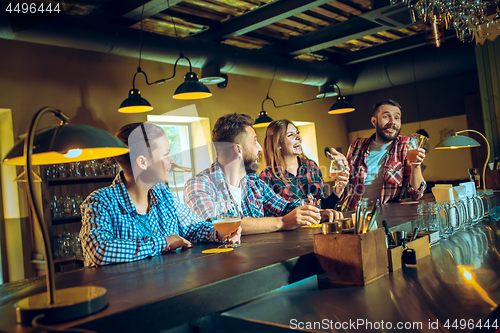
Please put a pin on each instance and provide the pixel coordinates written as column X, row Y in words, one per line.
column 64, row 143
column 459, row 141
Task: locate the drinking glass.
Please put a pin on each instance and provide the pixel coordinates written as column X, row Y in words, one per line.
column 479, row 210
column 311, row 201
column 226, row 220
column 433, row 219
column 422, row 220
column 415, row 142
column 445, row 227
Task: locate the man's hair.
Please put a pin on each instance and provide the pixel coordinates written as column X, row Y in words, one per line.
column 140, row 139
column 385, row 102
column 231, row 128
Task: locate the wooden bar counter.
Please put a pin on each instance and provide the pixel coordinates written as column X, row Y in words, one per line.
column 175, row 289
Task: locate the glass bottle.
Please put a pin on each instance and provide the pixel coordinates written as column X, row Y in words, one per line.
column 474, row 177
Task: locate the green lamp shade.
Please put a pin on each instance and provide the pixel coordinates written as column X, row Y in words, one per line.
column 263, row 120
column 341, row 106
column 67, row 143
column 135, row 103
column 457, row 141
column 192, row 88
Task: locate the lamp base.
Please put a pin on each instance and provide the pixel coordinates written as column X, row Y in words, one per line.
column 71, row 303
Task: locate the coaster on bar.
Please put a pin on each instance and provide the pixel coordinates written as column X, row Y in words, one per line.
column 217, row 250
column 312, row 226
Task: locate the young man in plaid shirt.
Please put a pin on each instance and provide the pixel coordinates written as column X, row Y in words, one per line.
column 378, row 165
column 138, row 216
column 232, row 177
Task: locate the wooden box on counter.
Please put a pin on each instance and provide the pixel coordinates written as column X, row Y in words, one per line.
column 420, row 245
column 349, row 259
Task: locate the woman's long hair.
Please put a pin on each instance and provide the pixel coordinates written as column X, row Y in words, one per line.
column 275, row 137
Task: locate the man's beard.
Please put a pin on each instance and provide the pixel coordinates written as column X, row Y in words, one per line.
column 251, row 162
column 387, row 137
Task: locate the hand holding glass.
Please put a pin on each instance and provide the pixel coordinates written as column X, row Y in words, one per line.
column 338, row 165
column 311, row 201
column 415, row 143
column 226, row 220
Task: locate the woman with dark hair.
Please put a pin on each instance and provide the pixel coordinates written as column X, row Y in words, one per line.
column 290, row 173
column 138, row 216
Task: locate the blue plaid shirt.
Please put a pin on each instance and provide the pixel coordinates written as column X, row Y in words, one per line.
column 110, row 232
column 258, row 200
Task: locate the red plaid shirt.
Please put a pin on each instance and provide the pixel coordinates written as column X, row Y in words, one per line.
column 396, row 173
column 292, row 187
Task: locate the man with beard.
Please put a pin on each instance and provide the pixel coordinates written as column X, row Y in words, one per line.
column 233, row 177
column 378, row 164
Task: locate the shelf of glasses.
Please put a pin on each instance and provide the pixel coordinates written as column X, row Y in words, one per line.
column 64, row 220
column 80, row 180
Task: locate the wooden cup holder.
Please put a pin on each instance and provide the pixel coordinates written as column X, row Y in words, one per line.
column 351, row 259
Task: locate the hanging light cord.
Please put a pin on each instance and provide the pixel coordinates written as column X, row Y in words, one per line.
column 140, row 37
column 181, row 56
column 140, row 71
column 416, row 93
column 295, row 103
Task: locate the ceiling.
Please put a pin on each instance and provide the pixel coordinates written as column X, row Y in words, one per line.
column 312, row 42
column 339, row 31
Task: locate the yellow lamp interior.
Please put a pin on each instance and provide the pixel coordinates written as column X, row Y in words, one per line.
column 135, row 109
column 340, row 111
column 57, row 158
column 261, row 125
column 454, row 147
column 192, row 95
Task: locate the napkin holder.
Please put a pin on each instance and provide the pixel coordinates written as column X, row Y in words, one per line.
column 420, row 245
column 351, row 259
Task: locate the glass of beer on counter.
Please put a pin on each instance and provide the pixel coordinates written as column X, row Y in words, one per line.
column 226, row 220
column 416, row 142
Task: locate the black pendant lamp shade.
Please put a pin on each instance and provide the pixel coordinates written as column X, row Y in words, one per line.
column 67, row 143
column 135, row 103
column 263, row 120
column 341, row 106
column 192, row 88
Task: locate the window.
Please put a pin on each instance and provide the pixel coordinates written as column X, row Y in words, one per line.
column 179, row 137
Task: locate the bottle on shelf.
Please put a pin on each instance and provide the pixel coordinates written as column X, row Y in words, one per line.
column 475, row 177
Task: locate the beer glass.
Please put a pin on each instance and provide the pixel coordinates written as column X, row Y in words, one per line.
column 226, row 220
column 415, row 142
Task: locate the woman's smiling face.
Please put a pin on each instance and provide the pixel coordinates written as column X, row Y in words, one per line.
column 292, row 142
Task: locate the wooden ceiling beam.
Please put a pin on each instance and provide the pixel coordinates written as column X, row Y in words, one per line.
column 366, row 24
column 258, row 18
column 132, row 9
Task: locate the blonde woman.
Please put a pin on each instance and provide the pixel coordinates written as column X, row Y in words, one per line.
column 289, row 172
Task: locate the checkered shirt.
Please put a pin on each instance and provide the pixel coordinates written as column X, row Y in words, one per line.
column 397, row 173
column 258, row 200
column 292, row 187
column 110, row 233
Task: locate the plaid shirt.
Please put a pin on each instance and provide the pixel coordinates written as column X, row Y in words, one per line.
column 258, row 200
column 396, row 173
column 292, row 187
column 110, row 232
